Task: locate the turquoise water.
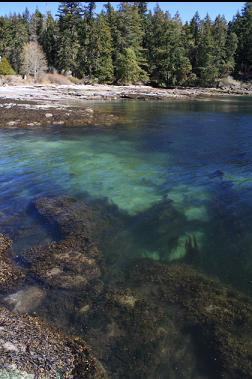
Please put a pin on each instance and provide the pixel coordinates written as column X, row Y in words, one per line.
column 178, row 172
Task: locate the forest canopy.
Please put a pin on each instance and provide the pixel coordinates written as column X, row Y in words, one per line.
column 130, row 44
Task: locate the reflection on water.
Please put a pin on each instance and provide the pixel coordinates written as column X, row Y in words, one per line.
column 178, row 176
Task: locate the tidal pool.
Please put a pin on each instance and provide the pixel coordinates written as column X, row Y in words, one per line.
column 179, row 175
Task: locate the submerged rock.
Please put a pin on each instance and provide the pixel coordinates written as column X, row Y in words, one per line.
column 31, row 348
column 73, row 217
column 75, row 262
column 9, row 273
column 71, row 264
column 220, row 317
column 135, row 339
column 26, row 300
column 77, row 218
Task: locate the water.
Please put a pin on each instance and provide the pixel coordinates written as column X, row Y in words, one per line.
column 178, row 173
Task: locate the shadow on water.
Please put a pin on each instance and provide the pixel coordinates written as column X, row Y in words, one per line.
column 221, row 245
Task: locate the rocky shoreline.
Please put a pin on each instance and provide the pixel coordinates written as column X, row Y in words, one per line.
column 39, row 105
column 157, row 318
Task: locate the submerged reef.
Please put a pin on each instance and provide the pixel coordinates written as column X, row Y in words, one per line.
column 29, row 347
column 133, row 338
column 153, row 320
column 78, row 218
column 136, row 339
column 220, row 317
column 9, row 274
column 75, row 262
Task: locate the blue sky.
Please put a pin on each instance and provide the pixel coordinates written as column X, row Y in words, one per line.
column 186, row 9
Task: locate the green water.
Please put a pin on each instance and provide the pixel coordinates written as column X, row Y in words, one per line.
column 194, row 156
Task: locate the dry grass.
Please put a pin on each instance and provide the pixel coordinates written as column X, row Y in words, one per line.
column 16, row 80
column 13, row 80
column 54, row 79
column 229, row 81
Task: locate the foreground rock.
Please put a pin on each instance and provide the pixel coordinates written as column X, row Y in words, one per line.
column 136, row 339
column 131, row 337
column 29, row 348
column 156, row 320
column 9, row 273
column 220, row 317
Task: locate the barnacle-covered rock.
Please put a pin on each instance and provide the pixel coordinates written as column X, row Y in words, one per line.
column 137, row 339
column 72, row 217
column 9, row 273
column 72, row 263
column 30, row 348
column 220, row 316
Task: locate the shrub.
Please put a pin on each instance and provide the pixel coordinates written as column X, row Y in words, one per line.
column 74, row 80
column 5, row 67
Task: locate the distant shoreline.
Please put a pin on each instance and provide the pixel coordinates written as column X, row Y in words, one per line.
column 43, row 105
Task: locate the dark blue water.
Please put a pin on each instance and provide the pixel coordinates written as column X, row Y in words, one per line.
column 178, row 171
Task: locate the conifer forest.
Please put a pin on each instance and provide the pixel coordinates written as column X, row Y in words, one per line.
column 129, row 44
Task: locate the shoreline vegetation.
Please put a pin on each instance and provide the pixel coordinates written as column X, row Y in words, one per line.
column 127, row 44
column 38, row 105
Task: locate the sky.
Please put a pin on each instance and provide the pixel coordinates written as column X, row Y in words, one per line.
column 186, row 9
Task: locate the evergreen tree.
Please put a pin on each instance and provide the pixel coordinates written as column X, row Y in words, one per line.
column 242, row 27
column 104, row 66
column 230, row 47
column 129, row 36
column 69, row 24
column 193, row 36
column 13, row 35
column 169, row 64
column 49, row 40
column 129, row 72
column 5, row 67
column 36, row 26
column 224, row 47
column 131, row 44
column 206, row 69
column 88, row 35
column 112, row 20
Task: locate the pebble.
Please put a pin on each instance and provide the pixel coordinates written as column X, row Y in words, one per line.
column 85, row 308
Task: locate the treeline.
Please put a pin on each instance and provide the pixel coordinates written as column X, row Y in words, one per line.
column 133, row 45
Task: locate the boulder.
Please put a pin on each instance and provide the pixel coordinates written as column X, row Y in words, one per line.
column 26, row 300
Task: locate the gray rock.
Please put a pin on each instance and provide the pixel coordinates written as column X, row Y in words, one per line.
column 26, row 300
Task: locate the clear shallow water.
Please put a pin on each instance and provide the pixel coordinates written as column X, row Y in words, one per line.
column 178, row 176
column 180, row 172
